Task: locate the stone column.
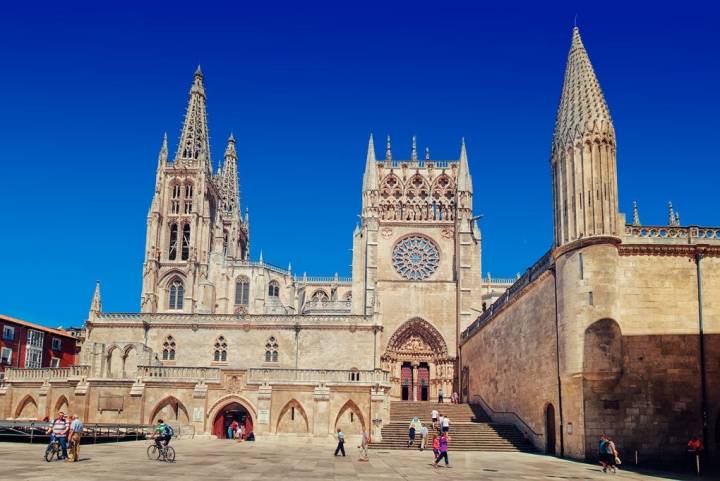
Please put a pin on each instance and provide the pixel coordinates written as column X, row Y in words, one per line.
column 380, row 415
column 321, row 411
column 414, row 383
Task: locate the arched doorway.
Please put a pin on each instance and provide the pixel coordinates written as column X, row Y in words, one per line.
column 233, row 411
column 550, row 429
column 417, row 357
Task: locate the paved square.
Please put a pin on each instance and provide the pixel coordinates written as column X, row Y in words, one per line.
column 287, row 459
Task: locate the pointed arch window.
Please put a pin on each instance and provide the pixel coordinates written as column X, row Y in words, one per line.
column 188, row 201
column 242, row 291
column 271, row 350
column 172, row 247
column 274, row 289
column 175, row 200
column 177, row 291
column 168, row 352
column 220, row 349
column 186, row 242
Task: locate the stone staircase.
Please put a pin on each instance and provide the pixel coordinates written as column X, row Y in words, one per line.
column 470, row 428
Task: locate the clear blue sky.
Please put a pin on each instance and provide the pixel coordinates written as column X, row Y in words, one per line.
column 88, row 90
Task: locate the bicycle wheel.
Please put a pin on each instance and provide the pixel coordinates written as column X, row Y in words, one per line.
column 169, row 454
column 50, row 452
column 153, row 452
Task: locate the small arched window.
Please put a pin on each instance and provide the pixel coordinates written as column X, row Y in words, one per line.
column 242, row 291
column 172, row 247
column 271, row 350
column 220, row 350
column 319, row 295
column 186, row 242
column 177, row 292
column 168, row 351
column 274, row 289
column 188, row 198
column 175, row 201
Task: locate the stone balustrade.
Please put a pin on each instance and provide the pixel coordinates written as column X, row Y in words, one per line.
column 689, row 234
column 327, row 306
column 314, row 376
column 178, row 373
column 46, row 373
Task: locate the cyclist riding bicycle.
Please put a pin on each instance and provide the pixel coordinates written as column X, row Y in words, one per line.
column 163, row 432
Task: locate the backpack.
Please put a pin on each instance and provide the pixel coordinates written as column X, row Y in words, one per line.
column 169, row 431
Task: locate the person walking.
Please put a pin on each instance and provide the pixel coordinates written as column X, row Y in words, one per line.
column 59, row 429
column 364, row 447
column 602, row 452
column 454, row 398
column 434, row 417
column 445, row 425
column 411, row 433
column 436, row 445
column 423, row 437
column 439, row 423
column 76, row 430
column 441, row 396
column 613, row 458
column 341, row 443
column 241, row 432
column 443, row 451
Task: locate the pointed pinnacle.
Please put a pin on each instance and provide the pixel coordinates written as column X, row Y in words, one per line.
column 388, row 150
column 413, row 152
column 231, row 138
column 198, row 71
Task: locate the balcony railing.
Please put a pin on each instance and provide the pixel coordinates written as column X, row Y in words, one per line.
column 313, row 376
column 178, row 373
column 46, row 373
column 690, row 234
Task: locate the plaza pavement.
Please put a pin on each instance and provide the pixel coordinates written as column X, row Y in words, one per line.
column 287, row 459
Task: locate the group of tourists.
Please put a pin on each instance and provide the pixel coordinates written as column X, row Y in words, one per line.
column 454, row 397
column 364, row 443
column 236, row 430
column 440, row 437
column 63, row 429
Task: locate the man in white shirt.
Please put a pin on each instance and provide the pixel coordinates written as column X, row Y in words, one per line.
column 445, row 424
column 434, row 417
column 423, row 437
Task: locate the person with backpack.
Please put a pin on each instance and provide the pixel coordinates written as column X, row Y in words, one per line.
column 163, row 432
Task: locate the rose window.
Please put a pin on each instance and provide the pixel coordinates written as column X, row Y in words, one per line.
column 415, row 258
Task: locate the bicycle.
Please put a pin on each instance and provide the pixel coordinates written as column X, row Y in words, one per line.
column 165, row 453
column 52, row 450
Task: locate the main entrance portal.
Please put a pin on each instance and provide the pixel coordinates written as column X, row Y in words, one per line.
column 417, row 358
column 232, row 412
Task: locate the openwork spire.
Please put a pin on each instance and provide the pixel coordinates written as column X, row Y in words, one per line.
column 582, row 106
column 388, row 150
column 636, row 214
column 672, row 216
column 229, row 179
column 370, row 176
column 413, row 151
column 464, row 181
column 96, row 304
column 163, row 155
column 194, row 142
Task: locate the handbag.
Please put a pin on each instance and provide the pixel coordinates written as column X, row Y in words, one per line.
column 617, row 460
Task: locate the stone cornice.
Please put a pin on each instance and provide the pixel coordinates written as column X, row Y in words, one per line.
column 668, row 250
column 585, row 242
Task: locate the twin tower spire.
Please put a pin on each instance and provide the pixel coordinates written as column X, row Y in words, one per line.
column 194, row 146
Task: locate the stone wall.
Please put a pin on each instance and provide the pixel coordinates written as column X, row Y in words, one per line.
column 511, row 362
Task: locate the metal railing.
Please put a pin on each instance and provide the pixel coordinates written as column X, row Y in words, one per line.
column 36, row 431
column 314, row 376
column 496, row 415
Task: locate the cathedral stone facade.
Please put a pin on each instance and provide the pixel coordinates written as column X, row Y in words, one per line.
column 615, row 329
column 223, row 336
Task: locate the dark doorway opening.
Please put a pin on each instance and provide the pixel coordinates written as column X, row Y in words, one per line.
column 406, row 381
column 232, row 412
column 423, row 382
column 550, row 429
